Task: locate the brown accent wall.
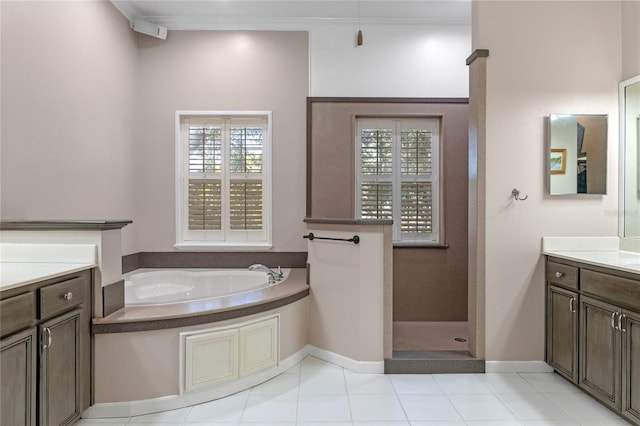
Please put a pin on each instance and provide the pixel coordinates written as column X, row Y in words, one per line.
column 429, row 284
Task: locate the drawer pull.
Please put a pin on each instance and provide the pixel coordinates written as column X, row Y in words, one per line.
column 46, row 331
column 559, row 274
column 67, row 296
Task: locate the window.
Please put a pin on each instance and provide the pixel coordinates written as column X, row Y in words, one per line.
column 397, row 178
column 223, row 179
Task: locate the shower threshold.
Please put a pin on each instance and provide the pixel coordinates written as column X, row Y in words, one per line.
column 433, row 362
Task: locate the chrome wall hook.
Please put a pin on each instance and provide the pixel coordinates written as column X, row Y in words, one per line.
column 516, row 195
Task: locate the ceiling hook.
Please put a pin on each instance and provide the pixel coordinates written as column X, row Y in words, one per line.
column 516, row 195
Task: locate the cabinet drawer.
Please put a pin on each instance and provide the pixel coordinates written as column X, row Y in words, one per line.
column 563, row 275
column 622, row 291
column 17, row 313
column 60, row 297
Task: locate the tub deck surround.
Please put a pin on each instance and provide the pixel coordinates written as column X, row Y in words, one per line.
column 158, row 317
column 598, row 251
column 24, row 264
column 181, row 260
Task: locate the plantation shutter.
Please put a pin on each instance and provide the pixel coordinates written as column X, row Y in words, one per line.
column 205, row 178
column 398, row 175
column 416, row 189
column 224, row 178
column 376, row 173
column 245, row 196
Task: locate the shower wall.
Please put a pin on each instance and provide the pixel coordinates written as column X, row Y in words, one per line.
column 430, row 284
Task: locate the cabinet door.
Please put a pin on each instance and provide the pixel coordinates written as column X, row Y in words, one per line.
column 210, row 359
column 258, row 346
column 562, row 332
column 18, row 384
column 600, row 348
column 631, row 366
column 60, row 370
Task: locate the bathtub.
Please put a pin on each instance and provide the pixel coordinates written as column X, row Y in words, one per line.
column 141, row 351
column 144, row 287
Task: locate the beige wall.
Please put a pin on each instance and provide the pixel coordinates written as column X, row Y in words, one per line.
column 68, row 113
column 346, row 303
column 543, row 64
column 221, row 70
column 630, row 39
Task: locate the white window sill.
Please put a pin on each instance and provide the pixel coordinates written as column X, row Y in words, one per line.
column 419, row 244
column 222, row 246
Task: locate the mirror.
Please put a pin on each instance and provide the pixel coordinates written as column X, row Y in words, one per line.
column 630, row 156
column 578, row 154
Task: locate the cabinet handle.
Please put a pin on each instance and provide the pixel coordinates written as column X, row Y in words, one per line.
column 559, row 274
column 46, row 331
column 620, row 318
column 613, row 320
column 572, row 307
column 67, row 296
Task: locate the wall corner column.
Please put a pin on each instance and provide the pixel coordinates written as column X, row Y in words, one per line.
column 477, row 63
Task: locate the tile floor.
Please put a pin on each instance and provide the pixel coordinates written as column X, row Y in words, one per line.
column 318, row 393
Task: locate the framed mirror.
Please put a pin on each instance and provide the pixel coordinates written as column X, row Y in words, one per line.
column 629, row 158
column 577, row 157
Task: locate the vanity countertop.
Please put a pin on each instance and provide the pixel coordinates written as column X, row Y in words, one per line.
column 597, row 251
column 23, row 264
column 17, row 274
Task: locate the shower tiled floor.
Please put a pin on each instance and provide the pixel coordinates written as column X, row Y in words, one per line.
column 318, row 393
column 429, row 336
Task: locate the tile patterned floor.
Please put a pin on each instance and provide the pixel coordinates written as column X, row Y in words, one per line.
column 316, row 393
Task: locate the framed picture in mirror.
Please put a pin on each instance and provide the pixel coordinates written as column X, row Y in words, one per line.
column 558, row 161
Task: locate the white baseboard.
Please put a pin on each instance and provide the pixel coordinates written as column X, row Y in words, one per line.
column 517, row 367
column 374, row 367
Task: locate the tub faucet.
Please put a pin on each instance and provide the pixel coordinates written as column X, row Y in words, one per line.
column 273, row 275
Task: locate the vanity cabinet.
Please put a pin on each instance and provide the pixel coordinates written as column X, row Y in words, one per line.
column 601, row 349
column 631, row 364
column 18, row 355
column 59, row 390
column 562, row 319
column 45, row 351
column 562, row 332
column 593, row 332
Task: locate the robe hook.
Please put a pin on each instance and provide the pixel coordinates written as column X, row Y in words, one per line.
column 516, row 195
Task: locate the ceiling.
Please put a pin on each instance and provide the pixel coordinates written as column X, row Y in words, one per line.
column 294, row 14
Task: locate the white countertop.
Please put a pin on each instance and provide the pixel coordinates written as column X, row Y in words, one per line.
column 597, row 251
column 22, row 264
column 16, row 274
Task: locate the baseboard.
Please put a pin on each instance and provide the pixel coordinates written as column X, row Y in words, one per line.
column 517, row 367
column 374, row 367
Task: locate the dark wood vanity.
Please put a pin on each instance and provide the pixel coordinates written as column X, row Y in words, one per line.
column 45, row 351
column 593, row 331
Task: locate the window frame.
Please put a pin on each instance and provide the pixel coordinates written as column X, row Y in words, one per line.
column 222, row 240
column 397, row 124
